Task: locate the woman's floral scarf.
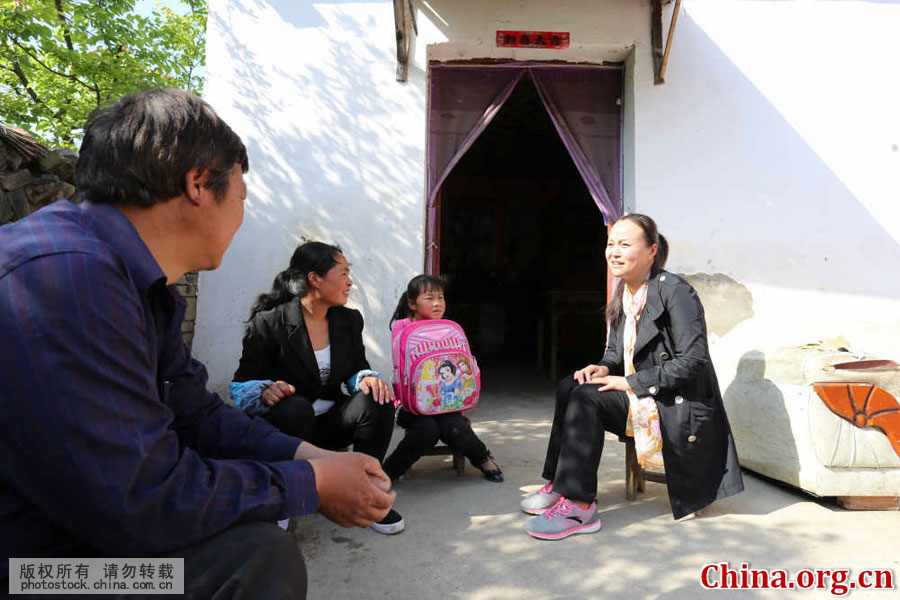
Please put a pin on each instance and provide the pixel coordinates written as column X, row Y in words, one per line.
column 643, row 417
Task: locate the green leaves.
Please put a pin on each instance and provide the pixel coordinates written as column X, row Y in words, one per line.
column 61, row 59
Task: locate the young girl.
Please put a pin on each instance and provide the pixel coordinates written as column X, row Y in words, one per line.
column 424, row 299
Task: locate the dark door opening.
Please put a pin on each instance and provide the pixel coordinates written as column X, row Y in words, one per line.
column 522, row 245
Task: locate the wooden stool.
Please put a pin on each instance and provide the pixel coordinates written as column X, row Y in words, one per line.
column 635, row 475
column 459, row 461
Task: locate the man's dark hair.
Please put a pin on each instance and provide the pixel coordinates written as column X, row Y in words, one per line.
column 138, row 149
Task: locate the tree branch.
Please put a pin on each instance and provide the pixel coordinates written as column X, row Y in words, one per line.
column 30, row 91
column 61, row 15
column 24, row 80
column 28, row 53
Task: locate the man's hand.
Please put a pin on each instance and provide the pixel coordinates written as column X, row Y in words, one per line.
column 353, row 490
column 612, row 382
column 590, row 374
column 275, row 392
column 377, row 387
column 306, row 451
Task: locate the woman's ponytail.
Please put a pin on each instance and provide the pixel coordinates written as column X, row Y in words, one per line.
column 662, row 252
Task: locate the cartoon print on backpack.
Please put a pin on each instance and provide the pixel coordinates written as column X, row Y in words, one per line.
column 451, row 386
column 469, row 385
column 445, row 385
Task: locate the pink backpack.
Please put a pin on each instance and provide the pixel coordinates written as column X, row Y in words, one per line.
column 434, row 371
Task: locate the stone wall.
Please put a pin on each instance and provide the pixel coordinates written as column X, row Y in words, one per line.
column 33, row 176
column 187, row 287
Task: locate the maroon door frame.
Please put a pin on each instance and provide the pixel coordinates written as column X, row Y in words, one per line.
column 432, row 256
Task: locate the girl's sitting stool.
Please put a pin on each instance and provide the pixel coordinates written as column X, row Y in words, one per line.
column 459, row 460
column 635, row 475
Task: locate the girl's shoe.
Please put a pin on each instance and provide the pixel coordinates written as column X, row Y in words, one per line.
column 540, row 501
column 563, row 520
column 495, row 475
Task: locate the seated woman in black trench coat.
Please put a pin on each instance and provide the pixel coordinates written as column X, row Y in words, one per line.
column 301, row 346
column 655, row 381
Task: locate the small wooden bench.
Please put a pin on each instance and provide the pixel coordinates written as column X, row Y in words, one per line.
column 635, row 475
column 459, row 460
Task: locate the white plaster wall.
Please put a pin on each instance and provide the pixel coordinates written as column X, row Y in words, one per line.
column 769, row 155
column 335, row 148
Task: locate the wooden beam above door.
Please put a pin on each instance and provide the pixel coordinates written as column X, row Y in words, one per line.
column 660, row 56
column 404, row 28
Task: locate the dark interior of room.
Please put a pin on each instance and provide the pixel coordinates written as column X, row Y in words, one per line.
column 522, row 241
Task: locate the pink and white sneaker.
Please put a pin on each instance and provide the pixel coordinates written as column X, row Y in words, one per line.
column 562, row 520
column 540, row 501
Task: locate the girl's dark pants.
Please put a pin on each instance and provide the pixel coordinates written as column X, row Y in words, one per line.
column 581, row 417
column 423, row 432
column 358, row 421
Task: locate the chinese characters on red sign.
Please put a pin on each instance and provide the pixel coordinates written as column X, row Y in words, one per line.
column 533, row 39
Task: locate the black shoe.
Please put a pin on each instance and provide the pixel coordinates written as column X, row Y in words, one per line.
column 494, row 475
column 392, row 523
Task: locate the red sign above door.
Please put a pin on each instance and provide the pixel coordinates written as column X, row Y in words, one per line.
column 533, row 39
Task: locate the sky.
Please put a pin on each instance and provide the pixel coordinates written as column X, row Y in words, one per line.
column 145, row 7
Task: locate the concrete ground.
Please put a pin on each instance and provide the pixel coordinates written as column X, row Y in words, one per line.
column 464, row 535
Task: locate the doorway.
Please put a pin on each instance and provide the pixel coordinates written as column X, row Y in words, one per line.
column 522, row 244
